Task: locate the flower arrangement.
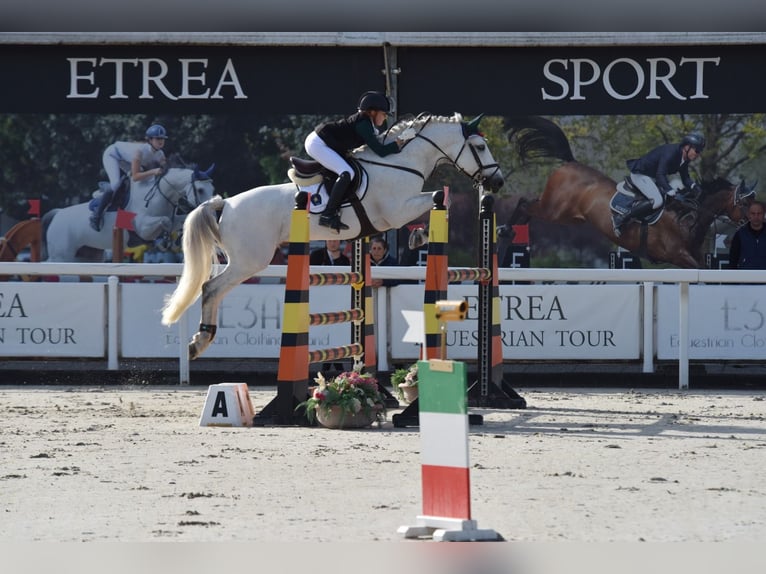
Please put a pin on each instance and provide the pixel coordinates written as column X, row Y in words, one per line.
column 351, row 391
column 402, row 379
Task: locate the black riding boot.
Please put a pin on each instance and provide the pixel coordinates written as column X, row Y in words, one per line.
column 97, row 217
column 331, row 215
column 639, row 209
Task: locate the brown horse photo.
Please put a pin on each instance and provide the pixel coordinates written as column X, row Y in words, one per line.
column 577, row 193
column 23, row 234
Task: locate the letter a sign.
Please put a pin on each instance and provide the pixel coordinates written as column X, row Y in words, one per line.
column 227, row 405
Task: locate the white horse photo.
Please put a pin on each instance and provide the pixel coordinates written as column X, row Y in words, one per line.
column 254, row 223
column 159, row 204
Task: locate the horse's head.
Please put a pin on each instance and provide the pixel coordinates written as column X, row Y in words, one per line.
column 485, row 170
column 728, row 199
column 461, row 143
column 187, row 188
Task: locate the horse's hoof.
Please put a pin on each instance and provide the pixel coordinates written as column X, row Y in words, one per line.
column 193, row 354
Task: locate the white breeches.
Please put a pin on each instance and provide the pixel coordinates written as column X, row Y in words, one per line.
column 325, row 155
column 111, row 161
column 647, row 186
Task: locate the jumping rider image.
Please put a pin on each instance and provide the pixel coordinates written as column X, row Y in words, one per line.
column 649, row 174
column 138, row 159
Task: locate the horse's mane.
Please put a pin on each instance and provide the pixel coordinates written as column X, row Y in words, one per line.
column 714, row 186
column 420, row 121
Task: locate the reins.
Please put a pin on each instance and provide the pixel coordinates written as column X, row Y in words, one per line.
column 475, row 176
column 182, row 196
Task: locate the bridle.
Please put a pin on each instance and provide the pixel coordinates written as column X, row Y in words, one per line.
column 739, row 198
column 182, row 205
column 477, row 177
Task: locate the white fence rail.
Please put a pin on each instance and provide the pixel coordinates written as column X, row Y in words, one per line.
column 596, row 314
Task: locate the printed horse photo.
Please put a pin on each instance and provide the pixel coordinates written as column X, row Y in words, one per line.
column 23, row 234
column 253, row 223
column 575, row 193
column 160, row 205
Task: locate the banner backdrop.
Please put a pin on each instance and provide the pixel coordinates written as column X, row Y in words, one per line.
column 537, row 322
column 278, row 80
column 249, row 322
column 54, row 320
column 725, row 322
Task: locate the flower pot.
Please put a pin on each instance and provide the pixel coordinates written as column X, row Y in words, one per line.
column 410, row 392
column 333, row 418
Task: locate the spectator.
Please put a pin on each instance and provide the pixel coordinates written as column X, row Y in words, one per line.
column 331, row 254
column 380, row 257
column 748, row 246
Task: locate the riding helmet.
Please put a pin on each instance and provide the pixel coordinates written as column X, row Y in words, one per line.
column 696, row 140
column 156, row 131
column 374, row 101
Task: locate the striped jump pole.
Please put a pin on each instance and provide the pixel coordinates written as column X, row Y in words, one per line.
column 445, row 470
column 294, row 355
column 491, row 389
column 436, row 273
column 293, row 371
column 364, row 332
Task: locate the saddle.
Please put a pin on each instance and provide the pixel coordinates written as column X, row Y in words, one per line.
column 120, row 199
column 625, row 194
column 315, row 179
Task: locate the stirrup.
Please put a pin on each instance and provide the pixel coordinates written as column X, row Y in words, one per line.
column 332, row 221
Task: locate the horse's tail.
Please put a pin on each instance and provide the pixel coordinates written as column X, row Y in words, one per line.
column 200, row 237
column 46, row 223
column 538, row 137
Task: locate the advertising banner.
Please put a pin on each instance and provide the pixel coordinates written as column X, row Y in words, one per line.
column 552, row 80
column 725, row 322
column 249, row 322
column 537, row 322
column 52, row 320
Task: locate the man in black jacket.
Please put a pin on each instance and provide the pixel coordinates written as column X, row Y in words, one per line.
column 649, row 174
column 748, row 246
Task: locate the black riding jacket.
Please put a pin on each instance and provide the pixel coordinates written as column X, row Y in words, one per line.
column 349, row 133
column 659, row 163
column 748, row 249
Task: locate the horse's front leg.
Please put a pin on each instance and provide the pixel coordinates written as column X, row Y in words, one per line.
column 408, row 211
column 149, row 227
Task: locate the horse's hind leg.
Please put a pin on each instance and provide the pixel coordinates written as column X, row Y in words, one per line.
column 213, row 292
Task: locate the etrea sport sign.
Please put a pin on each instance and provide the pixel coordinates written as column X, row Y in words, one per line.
column 566, row 80
column 274, row 80
column 182, row 79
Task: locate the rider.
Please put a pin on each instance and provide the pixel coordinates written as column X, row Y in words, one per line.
column 649, row 174
column 139, row 159
column 331, row 141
